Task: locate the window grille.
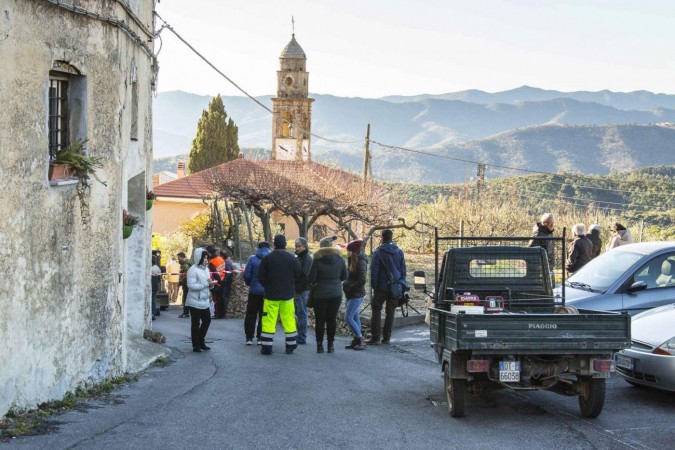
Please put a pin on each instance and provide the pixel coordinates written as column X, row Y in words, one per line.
column 58, row 113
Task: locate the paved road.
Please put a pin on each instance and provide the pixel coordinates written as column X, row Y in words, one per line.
column 384, row 397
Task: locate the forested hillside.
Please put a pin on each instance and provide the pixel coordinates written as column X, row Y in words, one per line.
column 643, row 194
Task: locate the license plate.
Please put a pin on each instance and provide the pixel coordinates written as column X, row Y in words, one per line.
column 509, row 371
column 624, row 362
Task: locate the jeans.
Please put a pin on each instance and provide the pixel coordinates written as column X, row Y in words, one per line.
column 154, row 303
column 325, row 313
column 379, row 299
column 254, row 311
column 201, row 319
column 301, row 315
column 352, row 315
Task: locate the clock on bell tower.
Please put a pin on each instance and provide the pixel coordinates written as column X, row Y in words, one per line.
column 291, row 122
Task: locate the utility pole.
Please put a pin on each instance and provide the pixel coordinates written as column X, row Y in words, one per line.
column 367, row 168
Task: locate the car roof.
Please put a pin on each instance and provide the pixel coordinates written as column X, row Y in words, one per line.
column 646, row 248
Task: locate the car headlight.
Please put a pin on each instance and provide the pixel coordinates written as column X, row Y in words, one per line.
column 667, row 348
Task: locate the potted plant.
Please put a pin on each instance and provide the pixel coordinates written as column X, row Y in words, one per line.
column 71, row 162
column 149, row 199
column 129, row 221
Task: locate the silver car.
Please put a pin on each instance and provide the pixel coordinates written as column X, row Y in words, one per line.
column 650, row 361
column 632, row 278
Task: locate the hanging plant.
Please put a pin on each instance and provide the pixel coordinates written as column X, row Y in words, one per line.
column 149, row 199
column 129, row 221
column 72, row 162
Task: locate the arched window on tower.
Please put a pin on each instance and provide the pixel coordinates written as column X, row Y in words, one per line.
column 286, row 121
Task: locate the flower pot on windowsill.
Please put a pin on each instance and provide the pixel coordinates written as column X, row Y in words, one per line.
column 126, row 231
column 148, row 204
column 60, row 171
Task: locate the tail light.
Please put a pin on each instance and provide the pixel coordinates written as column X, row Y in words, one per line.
column 478, row 365
column 603, row 365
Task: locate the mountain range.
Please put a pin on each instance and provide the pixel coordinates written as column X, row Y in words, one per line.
column 527, row 128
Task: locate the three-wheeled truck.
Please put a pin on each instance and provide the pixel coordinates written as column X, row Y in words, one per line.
column 495, row 324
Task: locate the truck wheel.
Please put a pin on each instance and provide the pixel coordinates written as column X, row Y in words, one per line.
column 593, row 398
column 455, row 390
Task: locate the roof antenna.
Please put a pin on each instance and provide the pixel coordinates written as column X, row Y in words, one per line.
column 293, row 24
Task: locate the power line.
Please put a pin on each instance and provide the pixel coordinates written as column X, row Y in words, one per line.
column 539, row 172
column 550, row 196
column 240, row 89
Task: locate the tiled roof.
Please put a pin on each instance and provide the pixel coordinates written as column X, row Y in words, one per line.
column 293, row 50
column 263, row 175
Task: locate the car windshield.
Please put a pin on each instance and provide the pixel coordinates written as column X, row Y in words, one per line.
column 601, row 272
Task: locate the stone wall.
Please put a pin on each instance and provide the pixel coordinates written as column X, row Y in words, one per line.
column 65, row 296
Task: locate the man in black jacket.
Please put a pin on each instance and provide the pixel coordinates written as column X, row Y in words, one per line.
column 542, row 230
column 580, row 249
column 278, row 274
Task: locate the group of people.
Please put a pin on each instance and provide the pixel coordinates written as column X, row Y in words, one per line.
column 282, row 286
column 585, row 245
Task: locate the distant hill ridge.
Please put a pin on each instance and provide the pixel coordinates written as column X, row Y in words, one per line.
column 525, row 127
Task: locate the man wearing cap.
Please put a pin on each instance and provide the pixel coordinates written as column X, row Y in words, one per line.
column 256, row 293
column 278, row 274
column 302, row 288
column 387, row 262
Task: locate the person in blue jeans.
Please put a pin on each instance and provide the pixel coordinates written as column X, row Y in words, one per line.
column 302, row 289
column 355, row 291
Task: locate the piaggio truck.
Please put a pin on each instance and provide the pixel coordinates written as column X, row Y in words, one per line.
column 496, row 324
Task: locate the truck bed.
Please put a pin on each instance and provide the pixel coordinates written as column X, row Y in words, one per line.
column 588, row 332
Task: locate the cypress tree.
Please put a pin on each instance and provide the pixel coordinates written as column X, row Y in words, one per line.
column 217, row 139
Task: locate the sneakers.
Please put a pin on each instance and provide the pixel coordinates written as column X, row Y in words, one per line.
column 249, row 341
column 259, row 341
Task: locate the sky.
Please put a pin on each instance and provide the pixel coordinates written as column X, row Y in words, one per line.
column 374, row 48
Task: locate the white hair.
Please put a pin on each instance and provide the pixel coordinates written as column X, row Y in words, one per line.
column 546, row 217
column 579, row 229
column 595, row 226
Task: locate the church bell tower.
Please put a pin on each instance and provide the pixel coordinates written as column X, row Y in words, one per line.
column 292, row 119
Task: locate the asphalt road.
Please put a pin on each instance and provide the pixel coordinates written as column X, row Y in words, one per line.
column 383, row 397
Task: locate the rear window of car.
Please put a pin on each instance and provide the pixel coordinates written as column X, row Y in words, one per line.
column 498, row 268
column 602, row 272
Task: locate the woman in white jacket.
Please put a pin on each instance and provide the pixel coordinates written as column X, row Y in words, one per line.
column 198, row 299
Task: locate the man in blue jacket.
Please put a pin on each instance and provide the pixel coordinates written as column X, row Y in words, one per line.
column 387, row 262
column 256, row 293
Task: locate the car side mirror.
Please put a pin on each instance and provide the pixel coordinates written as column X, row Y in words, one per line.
column 420, row 281
column 637, row 286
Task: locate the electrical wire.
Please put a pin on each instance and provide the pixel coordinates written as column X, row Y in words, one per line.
column 539, row 172
column 417, row 151
column 240, row 89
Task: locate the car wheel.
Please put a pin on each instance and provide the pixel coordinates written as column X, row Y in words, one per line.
column 592, row 399
column 455, row 391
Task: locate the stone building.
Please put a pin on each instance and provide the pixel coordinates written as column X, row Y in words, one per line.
column 292, row 119
column 74, row 295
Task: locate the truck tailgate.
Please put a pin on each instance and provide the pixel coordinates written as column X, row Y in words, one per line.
column 587, row 332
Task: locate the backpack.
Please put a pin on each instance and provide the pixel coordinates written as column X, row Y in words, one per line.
column 396, row 287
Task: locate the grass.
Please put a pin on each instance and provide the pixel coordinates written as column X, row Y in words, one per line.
column 28, row 423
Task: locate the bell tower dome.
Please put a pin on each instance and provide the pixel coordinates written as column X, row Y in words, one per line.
column 291, row 123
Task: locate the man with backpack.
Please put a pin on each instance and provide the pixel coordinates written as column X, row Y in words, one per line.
column 387, row 278
column 256, row 293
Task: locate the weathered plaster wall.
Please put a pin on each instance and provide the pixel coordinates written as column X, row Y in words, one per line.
column 63, row 307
